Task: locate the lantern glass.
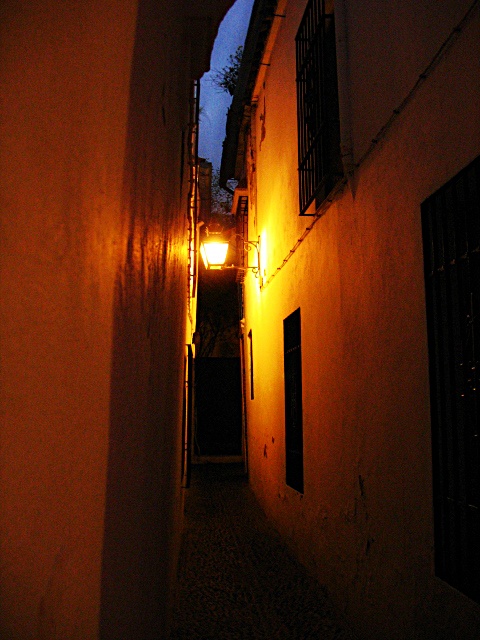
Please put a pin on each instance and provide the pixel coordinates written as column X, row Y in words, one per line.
column 214, row 254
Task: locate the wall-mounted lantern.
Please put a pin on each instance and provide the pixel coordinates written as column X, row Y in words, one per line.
column 214, row 251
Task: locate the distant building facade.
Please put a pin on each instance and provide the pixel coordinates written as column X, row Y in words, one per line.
column 354, row 134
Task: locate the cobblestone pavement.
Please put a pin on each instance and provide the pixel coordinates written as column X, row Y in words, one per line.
column 236, row 578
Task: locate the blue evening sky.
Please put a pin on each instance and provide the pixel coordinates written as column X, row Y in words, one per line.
column 214, row 102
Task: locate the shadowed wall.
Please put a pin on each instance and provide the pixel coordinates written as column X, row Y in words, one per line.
column 94, row 102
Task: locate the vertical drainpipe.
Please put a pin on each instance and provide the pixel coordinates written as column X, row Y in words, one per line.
column 193, row 230
column 343, row 74
column 197, row 225
column 196, row 199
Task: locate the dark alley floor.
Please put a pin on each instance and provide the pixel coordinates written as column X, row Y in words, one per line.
column 237, row 580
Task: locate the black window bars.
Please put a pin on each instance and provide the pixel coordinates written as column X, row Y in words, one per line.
column 451, row 237
column 319, row 160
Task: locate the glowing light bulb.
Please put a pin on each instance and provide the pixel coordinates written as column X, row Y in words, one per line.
column 214, row 254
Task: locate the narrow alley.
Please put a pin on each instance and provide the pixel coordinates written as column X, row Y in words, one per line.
column 237, row 580
column 306, row 298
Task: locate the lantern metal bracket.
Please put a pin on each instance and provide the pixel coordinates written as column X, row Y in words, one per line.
column 248, row 245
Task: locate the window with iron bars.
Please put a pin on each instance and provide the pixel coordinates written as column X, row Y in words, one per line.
column 451, row 237
column 319, row 160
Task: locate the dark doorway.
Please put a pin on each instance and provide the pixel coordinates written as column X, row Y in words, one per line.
column 218, row 396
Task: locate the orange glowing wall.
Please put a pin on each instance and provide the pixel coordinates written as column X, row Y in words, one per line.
column 93, row 260
column 364, row 523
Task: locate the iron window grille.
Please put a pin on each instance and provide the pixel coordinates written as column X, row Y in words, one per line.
column 319, row 160
column 451, row 236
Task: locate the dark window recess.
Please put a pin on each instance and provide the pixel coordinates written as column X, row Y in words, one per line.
column 451, row 236
column 319, row 160
column 252, row 389
column 293, row 401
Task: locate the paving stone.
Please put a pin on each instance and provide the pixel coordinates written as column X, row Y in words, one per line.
column 237, row 580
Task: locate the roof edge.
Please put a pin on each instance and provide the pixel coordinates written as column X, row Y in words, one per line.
column 261, row 21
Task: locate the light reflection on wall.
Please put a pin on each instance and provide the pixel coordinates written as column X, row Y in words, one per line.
column 263, row 254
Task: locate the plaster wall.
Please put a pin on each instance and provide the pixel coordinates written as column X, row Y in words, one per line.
column 388, row 45
column 65, row 89
column 364, row 523
column 93, row 284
